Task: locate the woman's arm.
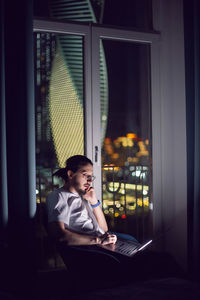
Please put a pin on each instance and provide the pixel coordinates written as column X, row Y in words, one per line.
column 60, row 234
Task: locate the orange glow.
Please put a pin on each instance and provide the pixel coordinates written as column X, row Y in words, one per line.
column 131, row 135
column 109, row 149
column 107, row 140
column 115, row 155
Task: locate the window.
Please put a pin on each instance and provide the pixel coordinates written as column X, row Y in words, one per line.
column 126, row 138
column 105, row 114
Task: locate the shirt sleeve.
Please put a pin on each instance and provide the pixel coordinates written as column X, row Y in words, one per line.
column 57, row 208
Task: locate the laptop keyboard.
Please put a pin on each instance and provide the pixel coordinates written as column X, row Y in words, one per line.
column 125, row 248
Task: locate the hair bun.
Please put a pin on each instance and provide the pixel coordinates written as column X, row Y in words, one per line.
column 62, row 173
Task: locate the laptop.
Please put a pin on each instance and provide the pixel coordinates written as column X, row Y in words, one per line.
column 126, row 247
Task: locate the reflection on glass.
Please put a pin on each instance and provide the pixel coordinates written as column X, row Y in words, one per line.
column 59, row 98
column 59, row 107
column 135, row 14
column 126, row 148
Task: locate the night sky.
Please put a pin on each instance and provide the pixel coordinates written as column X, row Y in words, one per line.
column 129, row 101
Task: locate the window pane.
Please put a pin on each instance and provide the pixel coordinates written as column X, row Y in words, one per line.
column 126, row 138
column 58, row 98
column 135, row 14
column 59, row 106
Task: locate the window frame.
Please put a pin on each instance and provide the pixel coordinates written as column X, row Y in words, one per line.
column 92, row 35
column 152, row 39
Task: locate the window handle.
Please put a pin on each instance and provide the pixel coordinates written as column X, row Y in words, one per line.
column 96, row 156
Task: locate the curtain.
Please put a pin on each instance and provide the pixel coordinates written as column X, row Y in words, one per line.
column 192, row 68
column 17, row 138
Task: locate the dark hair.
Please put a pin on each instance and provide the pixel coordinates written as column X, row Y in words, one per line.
column 74, row 163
